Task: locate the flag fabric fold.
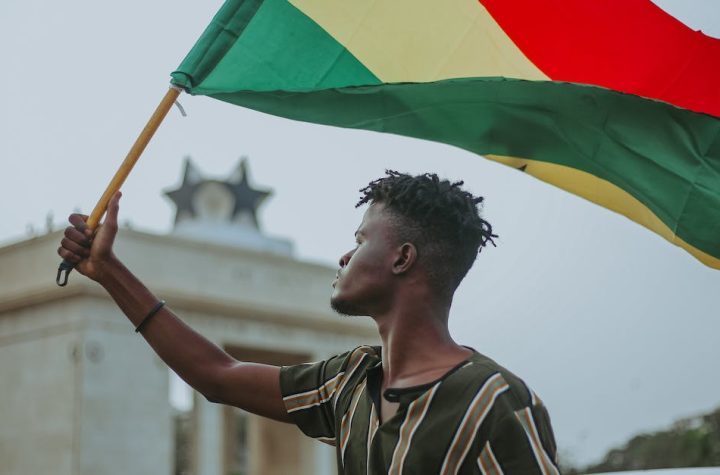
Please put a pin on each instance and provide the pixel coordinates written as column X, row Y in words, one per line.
column 614, row 101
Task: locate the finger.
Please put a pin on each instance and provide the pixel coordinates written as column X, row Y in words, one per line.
column 75, row 248
column 78, row 220
column 74, row 235
column 68, row 256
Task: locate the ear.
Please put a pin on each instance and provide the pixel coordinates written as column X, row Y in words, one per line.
column 405, row 258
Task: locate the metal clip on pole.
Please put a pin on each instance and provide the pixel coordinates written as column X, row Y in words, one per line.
column 63, row 272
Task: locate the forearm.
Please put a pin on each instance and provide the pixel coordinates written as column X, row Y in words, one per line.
column 202, row 364
column 194, row 358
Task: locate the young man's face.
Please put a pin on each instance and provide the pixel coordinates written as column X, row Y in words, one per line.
column 365, row 279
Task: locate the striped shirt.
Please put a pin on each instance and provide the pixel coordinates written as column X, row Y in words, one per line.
column 479, row 418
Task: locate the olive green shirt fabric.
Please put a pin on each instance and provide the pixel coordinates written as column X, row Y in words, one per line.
column 479, row 418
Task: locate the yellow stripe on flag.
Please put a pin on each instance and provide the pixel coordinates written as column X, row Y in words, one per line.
column 435, row 40
column 605, row 194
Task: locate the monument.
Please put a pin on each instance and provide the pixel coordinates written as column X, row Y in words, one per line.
column 82, row 394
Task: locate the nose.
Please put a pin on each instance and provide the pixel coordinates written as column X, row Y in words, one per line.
column 345, row 259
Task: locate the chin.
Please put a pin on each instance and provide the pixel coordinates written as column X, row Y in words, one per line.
column 345, row 307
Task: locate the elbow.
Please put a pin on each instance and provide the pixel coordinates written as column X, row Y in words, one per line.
column 211, row 393
column 211, row 398
column 212, row 387
column 215, row 391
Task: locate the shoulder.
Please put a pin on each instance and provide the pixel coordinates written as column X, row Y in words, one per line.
column 332, row 371
column 516, row 415
column 364, row 355
column 485, row 371
column 352, row 362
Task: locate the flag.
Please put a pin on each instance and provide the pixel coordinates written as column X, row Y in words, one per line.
column 615, row 101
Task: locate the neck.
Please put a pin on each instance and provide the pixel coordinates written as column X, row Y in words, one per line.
column 417, row 346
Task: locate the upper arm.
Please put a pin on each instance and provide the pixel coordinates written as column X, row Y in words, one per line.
column 304, row 394
column 253, row 387
column 315, row 392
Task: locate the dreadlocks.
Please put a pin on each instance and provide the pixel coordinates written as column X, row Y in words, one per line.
column 438, row 217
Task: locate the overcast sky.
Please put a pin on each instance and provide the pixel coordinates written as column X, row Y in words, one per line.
column 616, row 329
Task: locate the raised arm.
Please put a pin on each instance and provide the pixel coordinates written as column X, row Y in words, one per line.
column 202, row 364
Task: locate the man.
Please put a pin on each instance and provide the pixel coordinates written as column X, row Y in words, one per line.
column 421, row 403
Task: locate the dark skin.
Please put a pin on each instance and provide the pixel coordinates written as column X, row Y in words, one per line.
column 381, row 277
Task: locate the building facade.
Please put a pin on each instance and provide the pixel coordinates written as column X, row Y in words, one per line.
column 81, row 393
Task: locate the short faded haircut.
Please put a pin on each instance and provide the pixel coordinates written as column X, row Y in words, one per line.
column 440, row 218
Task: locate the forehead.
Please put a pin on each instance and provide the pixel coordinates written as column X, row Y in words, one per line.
column 377, row 219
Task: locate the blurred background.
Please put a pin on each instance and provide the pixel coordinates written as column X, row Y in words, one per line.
column 613, row 327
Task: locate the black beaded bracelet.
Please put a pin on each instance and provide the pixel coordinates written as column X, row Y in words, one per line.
column 150, row 314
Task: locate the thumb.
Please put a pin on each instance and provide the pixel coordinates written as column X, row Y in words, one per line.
column 111, row 218
column 107, row 230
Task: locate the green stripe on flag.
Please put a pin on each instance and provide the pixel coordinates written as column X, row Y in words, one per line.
column 269, row 56
column 220, row 35
column 299, row 56
column 664, row 156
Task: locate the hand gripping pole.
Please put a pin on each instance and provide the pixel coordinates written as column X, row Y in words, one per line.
column 127, row 165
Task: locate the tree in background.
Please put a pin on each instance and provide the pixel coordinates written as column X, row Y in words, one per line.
column 691, row 442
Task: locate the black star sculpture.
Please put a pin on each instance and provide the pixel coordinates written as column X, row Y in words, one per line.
column 246, row 199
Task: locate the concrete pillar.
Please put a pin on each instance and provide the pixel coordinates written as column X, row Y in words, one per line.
column 324, row 459
column 209, row 433
column 124, row 416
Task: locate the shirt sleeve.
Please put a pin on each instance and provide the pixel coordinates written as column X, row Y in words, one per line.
column 313, row 392
column 521, row 442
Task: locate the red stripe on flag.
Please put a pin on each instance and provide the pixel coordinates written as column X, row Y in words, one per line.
column 631, row 46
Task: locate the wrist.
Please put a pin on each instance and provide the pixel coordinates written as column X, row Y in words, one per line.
column 108, row 271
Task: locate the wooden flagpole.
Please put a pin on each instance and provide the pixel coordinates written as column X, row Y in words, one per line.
column 122, row 173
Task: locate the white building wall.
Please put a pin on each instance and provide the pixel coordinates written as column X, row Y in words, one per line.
column 82, row 394
column 38, row 390
column 125, row 414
